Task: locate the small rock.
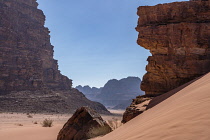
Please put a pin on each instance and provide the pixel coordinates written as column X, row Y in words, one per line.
column 137, row 107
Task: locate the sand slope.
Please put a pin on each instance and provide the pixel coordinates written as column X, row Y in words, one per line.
column 183, row 116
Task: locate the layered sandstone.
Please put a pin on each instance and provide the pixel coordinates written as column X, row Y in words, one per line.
column 29, row 77
column 177, row 35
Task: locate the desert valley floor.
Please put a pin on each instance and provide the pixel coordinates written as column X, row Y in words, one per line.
column 185, row 115
column 20, row 126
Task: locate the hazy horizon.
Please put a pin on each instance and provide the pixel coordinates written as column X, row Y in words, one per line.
column 95, row 41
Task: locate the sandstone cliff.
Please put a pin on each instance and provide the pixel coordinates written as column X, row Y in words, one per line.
column 26, row 55
column 177, row 35
column 29, row 76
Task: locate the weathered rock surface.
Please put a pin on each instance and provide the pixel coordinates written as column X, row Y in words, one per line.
column 29, row 76
column 84, row 124
column 177, row 35
column 137, row 107
column 26, row 55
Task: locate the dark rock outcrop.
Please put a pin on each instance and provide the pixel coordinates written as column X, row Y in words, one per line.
column 29, row 76
column 177, row 35
column 137, row 107
column 49, row 101
column 84, row 124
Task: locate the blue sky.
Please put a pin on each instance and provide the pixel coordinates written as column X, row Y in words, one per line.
column 95, row 40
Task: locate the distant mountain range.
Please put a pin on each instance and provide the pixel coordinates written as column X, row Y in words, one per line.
column 116, row 94
column 90, row 93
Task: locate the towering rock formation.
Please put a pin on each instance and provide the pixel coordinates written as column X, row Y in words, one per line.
column 177, row 35
column 26, row 55
column 29, row 76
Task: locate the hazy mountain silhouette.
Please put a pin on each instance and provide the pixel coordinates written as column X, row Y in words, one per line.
column 115, row 92
column 89, row 92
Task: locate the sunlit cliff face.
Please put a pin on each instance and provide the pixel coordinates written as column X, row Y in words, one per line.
column 177, row 35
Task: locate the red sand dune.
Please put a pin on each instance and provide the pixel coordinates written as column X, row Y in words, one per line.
column 183, row 116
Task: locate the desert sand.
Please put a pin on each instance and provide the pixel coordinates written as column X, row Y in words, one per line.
column 19, row 126
column 183, row 116
column 22, row 127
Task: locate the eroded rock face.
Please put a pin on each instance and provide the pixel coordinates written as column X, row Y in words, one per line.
column 29, row 77
column 26, row 55
column 84, row 124
column 177, row 35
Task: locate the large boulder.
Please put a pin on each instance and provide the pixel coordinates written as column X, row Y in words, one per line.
column 84, row 124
